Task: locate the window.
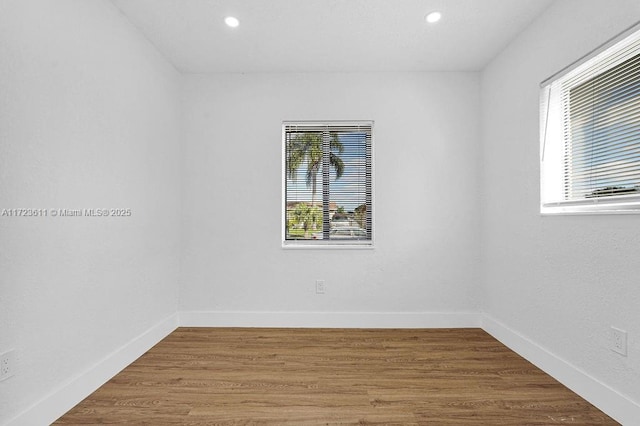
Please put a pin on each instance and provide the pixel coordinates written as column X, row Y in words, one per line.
column 327, row 184
column 590, row 133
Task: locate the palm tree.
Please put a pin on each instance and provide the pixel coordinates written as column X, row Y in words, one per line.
column 307, row 148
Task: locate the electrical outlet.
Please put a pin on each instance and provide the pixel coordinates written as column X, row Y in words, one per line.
column 619, row 341
column 7, row 365
column 320, row 287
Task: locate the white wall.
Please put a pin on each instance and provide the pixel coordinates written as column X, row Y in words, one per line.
column 559, row 281
column 89, row 118
column 426, row 173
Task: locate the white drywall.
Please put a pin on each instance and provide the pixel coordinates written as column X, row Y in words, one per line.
column 558, row 281
column 89, row 118
column 426, row 223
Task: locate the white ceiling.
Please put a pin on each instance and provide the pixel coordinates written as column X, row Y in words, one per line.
column 330, row 35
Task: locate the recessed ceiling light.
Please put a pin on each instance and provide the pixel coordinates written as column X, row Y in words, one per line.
column 433, row 17
column 231, row 21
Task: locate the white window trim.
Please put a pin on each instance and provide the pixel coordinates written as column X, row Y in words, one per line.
column 333, row 244
column 622, row 204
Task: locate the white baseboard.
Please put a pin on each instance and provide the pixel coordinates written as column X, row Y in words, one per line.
column 61, row 400
column 614, row 404
column 75, row 390
column 330, row 319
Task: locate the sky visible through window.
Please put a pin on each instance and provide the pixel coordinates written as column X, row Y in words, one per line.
column 349, row 191
column 605, row 151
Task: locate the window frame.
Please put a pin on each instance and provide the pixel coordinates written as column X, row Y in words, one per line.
column 552, row 151
column 326, row 244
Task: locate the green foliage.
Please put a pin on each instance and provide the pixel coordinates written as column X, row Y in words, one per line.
column 306, row 148
column 360, row 213
column 306, row 217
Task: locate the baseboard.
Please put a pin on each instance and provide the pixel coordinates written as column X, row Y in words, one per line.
column 58, row 402
column 614, row 404
column 330, row 319
column 61, row 400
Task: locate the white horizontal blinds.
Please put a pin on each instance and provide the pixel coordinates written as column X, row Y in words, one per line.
column 303, row 189
column 601, row 122
column 329, row 158
column 351, row 192
column 339, row 155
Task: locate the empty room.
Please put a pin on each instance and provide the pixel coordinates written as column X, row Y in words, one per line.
column 313, row 212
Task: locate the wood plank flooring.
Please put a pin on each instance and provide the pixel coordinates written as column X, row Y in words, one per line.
column 240, row 376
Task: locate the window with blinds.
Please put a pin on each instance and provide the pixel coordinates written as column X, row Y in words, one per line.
column 590, row 132
column 327, row 184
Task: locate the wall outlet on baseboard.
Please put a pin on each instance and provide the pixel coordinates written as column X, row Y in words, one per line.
column 619, row 341
column 7, row 365
column 320, row 288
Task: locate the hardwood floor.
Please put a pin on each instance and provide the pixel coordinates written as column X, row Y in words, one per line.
column 332, row 376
